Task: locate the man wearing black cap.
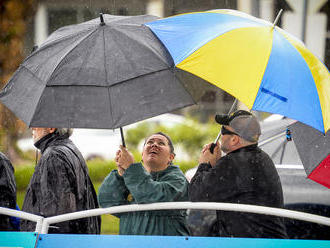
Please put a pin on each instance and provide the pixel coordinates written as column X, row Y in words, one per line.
column 244, row 175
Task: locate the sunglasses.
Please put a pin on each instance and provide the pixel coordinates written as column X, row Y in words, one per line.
column 225, row 131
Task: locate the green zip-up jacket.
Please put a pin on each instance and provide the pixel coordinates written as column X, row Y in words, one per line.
column 137, row 186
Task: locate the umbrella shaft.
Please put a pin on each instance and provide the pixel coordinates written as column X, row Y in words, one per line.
column 266, row 141
column 122, row 137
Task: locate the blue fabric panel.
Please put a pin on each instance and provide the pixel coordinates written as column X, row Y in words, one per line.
column 288, row 87
column 184, row 34
column 18, row 239
column 95, row 241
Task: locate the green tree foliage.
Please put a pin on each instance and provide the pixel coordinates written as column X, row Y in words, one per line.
column 14, row 15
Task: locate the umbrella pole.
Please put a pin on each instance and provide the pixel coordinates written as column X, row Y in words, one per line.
column 283, row 150
column 214, row 144
column 122, row 137
column 266, row 141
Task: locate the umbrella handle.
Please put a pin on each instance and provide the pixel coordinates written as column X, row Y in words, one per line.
column 122, row 137
column 213, row 145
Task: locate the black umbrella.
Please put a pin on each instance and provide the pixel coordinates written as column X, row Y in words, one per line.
column 314, row 151
column 309, row 147
column 105, row 73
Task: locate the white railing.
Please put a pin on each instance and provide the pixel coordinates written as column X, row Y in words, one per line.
column 187, row 205
column 23, row 215
column 45, row 222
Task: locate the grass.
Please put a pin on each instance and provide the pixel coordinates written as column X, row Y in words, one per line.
column 109, row 223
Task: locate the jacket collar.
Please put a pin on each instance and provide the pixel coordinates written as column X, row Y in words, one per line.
column 246, row 148
column 160, row 173
column 48, row 139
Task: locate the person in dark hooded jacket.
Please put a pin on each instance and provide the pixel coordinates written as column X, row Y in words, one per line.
column 60, row 184
column 7, row 192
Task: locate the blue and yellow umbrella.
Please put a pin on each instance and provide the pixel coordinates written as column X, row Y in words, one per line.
column 260, row 64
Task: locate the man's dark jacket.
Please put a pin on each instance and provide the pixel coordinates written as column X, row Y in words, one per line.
column 7, row 192
column 246, row 176
column 61, row 184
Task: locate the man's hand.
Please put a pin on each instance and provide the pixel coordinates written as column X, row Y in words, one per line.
column 123, row 159
column 207, row 157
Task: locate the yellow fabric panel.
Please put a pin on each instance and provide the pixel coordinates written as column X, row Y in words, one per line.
column 234, row 61
column 320, row 74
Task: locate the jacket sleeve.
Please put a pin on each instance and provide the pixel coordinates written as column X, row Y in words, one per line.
column 7, row 185
column 171, row 187
column 58, row 194
column 212, row 184
column 8, row 192
column 113, row 191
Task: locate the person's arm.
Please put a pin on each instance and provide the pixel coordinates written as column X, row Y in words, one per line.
column 206, row 179
column 113, row 191
column 197, row 189
column 8, row 192
column 7, row 184
column 211, row 184
column 171, row 187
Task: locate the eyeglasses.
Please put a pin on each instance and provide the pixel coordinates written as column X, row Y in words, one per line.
column 225, row 131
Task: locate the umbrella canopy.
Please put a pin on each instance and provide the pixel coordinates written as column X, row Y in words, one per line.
column 260, row 64
column 314, row 151
column 274, row 142
column 105, row 73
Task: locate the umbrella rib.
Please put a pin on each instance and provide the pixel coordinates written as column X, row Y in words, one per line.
column 26, row 68
column 152, row 50
column 106, row 86
column 120, row 82
column 69, row 52
column 106, row 79
column 143, row 75
column 60, row 39
column 182, row 84
column 127, row 18
column 42, row 85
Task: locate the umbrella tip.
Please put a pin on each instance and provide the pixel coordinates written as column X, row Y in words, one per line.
column 277, row 17
column 102, row 20
column 34, row 48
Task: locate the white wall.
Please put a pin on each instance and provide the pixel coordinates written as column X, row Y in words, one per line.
column 316, row 24
column 41, row 25
column 155, row 7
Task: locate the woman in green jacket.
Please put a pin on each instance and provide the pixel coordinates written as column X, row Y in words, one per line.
column 156, row 180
